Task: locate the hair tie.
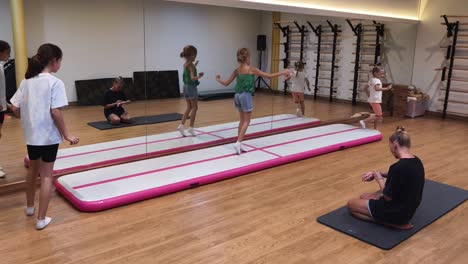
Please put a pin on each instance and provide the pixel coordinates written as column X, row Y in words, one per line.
column 401, row 129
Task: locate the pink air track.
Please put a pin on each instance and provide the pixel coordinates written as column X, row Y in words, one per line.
column 219, row 140
column 276, row 160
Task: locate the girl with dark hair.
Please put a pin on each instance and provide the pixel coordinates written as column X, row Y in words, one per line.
column 38, row 102
column 400, row 191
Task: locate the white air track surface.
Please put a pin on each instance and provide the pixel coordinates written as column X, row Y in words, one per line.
column 109, row 187
column 102, row 154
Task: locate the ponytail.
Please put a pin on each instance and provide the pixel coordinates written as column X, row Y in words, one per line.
column 35, row 66
column 401, row 137
column 45, row 54
column 188, row 51
column 242, row 55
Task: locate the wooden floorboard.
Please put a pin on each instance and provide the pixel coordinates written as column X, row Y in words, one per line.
column 263, row 217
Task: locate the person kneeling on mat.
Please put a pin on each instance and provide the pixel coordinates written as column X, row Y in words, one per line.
column 400, row 191
column 114, row 99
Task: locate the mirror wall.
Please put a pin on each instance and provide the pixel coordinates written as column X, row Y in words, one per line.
column 141, row 41
column 216, row 33
column 100, row 41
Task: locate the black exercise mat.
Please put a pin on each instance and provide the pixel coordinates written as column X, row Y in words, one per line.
column 211, row 95
column 438, row 199
column 137, row 121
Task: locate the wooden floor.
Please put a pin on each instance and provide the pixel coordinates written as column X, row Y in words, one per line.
column 263, row 217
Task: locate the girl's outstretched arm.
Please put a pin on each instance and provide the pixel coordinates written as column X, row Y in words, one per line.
column 258, row 72
column 228, row 81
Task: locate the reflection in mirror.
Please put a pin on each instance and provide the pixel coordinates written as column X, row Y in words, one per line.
column 187, row 46
column 143, row 44
column 92, row 63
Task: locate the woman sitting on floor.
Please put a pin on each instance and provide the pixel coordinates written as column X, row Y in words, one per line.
column 400, row 191
column 114, row 99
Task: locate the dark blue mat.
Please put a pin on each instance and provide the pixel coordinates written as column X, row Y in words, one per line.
column 438, row 199
column 137, row 121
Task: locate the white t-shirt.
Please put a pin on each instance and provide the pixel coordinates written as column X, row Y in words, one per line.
column 298, row 81
column 374, row 96
column 3, row 102
column 35, row 98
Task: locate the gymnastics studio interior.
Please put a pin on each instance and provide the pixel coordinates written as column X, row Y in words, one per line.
column 140, row 192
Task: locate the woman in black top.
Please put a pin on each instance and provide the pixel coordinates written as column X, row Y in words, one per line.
column 400, row 191
column 114, row 99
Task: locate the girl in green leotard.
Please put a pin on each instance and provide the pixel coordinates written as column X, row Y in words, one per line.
column 245, row 87
column 190, row 78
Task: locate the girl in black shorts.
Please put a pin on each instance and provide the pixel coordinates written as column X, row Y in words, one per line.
column 38, row 102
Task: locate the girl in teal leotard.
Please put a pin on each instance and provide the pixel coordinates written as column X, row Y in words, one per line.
column 245, row 87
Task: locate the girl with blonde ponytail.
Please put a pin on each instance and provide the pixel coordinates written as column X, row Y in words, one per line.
column 400, row 189
column 245, row 87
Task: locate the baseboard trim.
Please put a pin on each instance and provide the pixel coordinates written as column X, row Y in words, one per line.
column 448, row 116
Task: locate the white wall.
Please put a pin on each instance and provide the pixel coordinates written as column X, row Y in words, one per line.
column 99, row 39
column 5, row 24
column 217, row 33
column 429, row 55
column 103, row 39
column 399, row 45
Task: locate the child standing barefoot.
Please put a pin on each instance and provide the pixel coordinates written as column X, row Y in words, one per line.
column 38, row 102
column 190, row 78
column 299, row 81
column 245, row 87
column 375, row 96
